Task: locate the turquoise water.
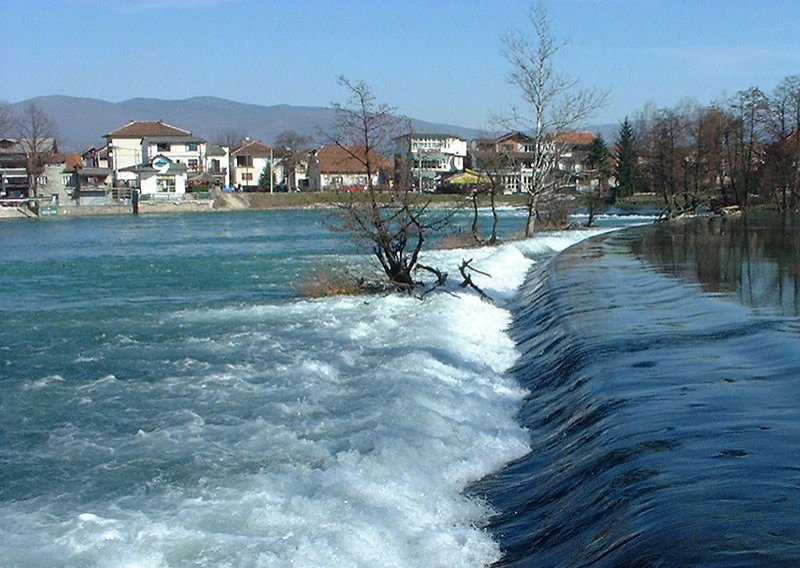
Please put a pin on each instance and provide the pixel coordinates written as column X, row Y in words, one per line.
column 167, row 399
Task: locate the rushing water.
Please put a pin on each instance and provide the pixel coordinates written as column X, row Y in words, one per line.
column 663, row 366
column 166, row 399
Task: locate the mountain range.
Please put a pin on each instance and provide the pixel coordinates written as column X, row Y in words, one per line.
column 82, row 122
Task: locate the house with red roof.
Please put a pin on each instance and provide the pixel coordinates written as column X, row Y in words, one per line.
column 333, row 168
column 154, row 156
column 569, row 150
column 248, row 162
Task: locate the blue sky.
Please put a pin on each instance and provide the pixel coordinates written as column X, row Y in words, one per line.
column 436, row 60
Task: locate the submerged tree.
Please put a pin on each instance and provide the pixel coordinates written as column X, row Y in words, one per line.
column 491, row 164
column 393, row 221
column 554, row 103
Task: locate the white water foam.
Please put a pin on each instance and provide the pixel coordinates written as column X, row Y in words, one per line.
column 336, row 432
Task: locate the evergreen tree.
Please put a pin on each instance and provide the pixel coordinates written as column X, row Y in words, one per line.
column 263, row 179
column 598, row 161
column 627, row 171
column 599, row 158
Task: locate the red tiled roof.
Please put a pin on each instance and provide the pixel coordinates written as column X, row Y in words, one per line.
column 336, row 159
column 515, row 136
column 143, row 128
column 71, row 161
column 577, row 138
column 252, row 148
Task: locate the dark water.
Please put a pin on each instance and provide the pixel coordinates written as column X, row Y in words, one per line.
column 664, row 369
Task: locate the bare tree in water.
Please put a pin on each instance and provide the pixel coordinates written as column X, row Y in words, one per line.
column 553, row 104
column 393, row 220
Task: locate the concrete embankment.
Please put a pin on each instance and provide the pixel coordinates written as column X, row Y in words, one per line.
column 220, row 202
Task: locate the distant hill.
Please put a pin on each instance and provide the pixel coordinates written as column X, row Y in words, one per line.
column 82, row 122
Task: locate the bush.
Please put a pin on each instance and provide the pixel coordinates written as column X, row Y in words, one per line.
column 326, row 281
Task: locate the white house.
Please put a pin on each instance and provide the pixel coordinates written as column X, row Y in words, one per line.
column 139, row 142
column 162, row 177
column 248, row 161
column 427, row 156
column 217, row 164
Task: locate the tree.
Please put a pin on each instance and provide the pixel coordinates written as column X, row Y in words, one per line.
column 783, row 152
column 749, row 111
column 627, row 161
column 229, row 137
column 491, row 164
column 37, row 133
column 599, row 164
column 291, row 147
column 6, row 118
column 554, row 104
column 264, row 178
column 393, row 222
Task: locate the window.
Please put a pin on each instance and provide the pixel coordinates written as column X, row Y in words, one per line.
column 166, row 183
column 214, row 166
column 244, row 161
column 162, row 147
column 191, row 147
column 66, row 180
column 192, row 163
column 247, row 177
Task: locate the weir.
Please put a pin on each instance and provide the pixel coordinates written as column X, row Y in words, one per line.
column 661, row 406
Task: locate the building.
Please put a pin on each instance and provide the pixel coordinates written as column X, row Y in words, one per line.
column 426, row 157
column 217, row 164
column 509, row 158
column 161, row 177
column 96, row 157
column 248, row 162
column 23, row 170
column 291, row 169
column 334, row 168
column 573, row 150
column 512, row 157
column 138, row 143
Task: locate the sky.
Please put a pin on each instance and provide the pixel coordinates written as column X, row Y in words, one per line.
column 434, row 60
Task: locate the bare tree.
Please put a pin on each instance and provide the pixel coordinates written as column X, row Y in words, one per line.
column 6, row 118
column 492, row 165
column 784, row 150
column 749, row 111
column 554, row 103
column 394, row 222
column 37, row 133
column 229, row 137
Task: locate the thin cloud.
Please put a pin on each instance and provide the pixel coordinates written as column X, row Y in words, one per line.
column 723, row 58
column 148, row 5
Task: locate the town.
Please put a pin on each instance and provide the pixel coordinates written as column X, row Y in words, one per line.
column 156, row 162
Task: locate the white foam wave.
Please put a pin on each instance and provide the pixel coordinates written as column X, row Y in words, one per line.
column 334, row 432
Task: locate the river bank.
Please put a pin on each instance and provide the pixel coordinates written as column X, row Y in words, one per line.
column 266, row 201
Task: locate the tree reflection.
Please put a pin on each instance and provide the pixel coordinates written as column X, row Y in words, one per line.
column 755, row 259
